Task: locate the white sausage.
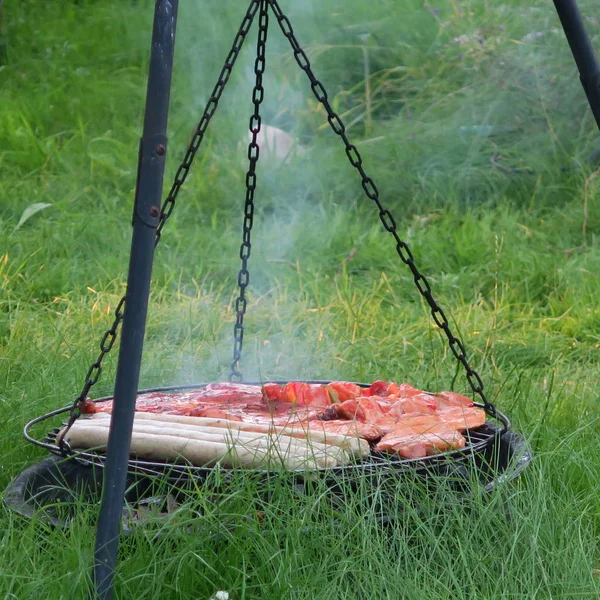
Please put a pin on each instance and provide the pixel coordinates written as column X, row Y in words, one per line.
column 353, row 444
column 199, row 450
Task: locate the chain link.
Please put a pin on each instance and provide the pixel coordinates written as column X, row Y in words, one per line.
column 95, row 370
column 253, row 153
column 385, row 215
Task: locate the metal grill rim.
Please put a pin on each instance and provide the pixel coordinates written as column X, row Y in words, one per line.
column 478, row 440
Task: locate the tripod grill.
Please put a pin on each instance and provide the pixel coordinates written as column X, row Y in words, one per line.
column 479, row 441
column 150, row 217
column 264, row 8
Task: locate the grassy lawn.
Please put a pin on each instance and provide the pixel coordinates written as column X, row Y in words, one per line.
column 472, row 121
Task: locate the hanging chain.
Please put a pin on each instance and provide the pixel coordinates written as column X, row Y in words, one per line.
column 385, row 215
column 258, row 94
column 95, row 370
column 110, row 335
column 355, row 159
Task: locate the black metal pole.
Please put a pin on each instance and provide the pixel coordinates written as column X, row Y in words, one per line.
column 145, row 220
column 583, row 53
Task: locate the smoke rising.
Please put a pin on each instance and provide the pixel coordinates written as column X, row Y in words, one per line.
column 277, row 343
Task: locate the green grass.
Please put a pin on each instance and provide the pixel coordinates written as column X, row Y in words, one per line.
column 504, row 222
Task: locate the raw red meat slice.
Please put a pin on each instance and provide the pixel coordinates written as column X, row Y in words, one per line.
column 396, row 410
column 407, row 391
column 420, row 445
column 421, row 404
column 417, row 421
column 278, row 413
column 214, row 412
column 340, row 391
column 420, row 436
column 381, row 388
column 231, row 392
column 367, row 431
column 449, row 399
column 273, row 391
column 306, row 393
column 385, row 424
column 181, row 403
column 463, row 417
column 365, row 410
column 385, row 403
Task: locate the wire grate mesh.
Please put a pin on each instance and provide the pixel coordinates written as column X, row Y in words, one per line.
column 479, row 440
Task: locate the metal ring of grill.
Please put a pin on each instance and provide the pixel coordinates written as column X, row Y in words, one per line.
column 478, row 442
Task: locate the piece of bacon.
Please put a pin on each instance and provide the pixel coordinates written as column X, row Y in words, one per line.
column 450, row 399
column 365, row 410
column 381, row 388
column 272, row 391
column 367, row 431
column 340, row 391
column 417, row 436
column 419, row 404
column 183, row 402
column 214, row 412
column 231, row 392
column 462, row 417
column 277, row 413
column 306, row 393
column 178, row 404
column 288, row 415
column 408, row 391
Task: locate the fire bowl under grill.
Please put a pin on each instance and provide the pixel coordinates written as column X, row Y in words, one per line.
column 55, row 488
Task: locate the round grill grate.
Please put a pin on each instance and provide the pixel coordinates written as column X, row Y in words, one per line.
column 479, row 441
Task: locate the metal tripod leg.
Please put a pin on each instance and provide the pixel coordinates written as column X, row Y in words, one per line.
column 145, row 220
column 583, row 53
